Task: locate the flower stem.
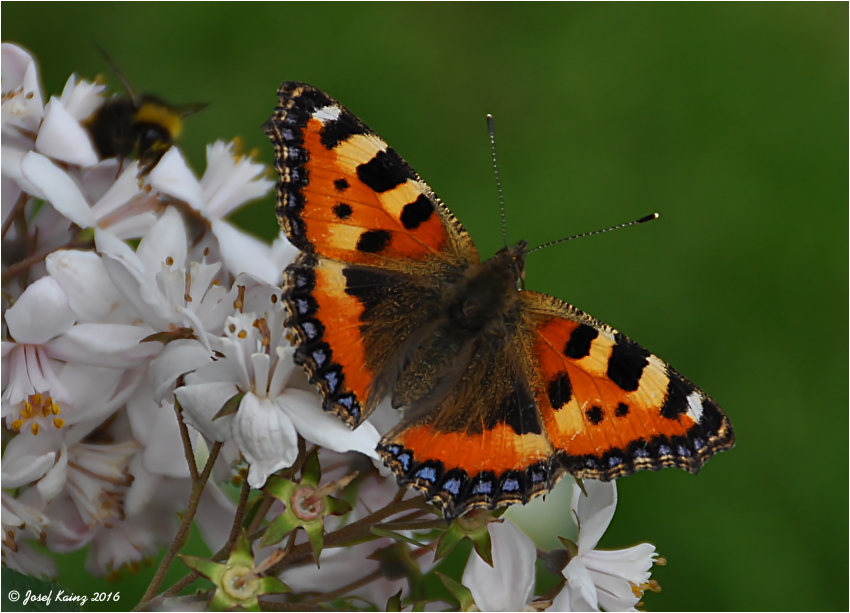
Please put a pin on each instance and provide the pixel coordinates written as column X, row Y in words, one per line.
column 17, row 209
column 185, row 525
column 352, row 532
column 187, row 443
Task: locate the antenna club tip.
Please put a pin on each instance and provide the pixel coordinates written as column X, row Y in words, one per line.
column 648, row 218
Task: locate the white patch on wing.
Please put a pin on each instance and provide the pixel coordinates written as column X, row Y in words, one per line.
column 327, row 113
column 695, row 406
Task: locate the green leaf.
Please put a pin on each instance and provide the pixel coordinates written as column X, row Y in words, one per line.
column 311, row 473
column 279, row 528
column 459, row 591
column 394, row 603
column 230, row 407
column 377, row 530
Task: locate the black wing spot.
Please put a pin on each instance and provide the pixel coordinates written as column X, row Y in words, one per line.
column 342, row 210
column 384, row 171
column 676, row 402
column 580, row 341
column 341, row 185
column 369, row 288
column 622, row 410
column 594, row 415
column 560, row 391
column 417, row 212
column 373, row 241
column 517, row 410
column 340, row 129
column 626, row 364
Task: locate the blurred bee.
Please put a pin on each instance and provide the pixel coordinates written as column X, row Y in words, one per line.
column 142, row 125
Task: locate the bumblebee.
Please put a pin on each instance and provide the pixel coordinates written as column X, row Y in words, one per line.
column 142, row 125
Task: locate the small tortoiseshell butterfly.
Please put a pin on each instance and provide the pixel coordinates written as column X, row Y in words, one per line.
column 503, row 390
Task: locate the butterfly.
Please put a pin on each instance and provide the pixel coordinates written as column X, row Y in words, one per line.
column 504, row 390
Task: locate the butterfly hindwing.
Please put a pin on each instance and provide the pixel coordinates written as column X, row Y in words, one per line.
column 479, row 442
column 610, row 407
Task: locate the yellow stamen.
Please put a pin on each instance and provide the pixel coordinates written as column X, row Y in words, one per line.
column 17, row 425
column 35, row 428
column 58, row 422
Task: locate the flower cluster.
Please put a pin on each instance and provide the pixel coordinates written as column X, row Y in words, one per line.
column 146, row 371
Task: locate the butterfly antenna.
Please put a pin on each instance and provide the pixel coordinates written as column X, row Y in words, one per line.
column 124, row 82
column 492, row 131
column 622, row 225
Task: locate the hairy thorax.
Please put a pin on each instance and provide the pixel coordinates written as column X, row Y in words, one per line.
column 478, row 307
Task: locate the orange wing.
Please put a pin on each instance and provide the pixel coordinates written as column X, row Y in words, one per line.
column 609, row 406
column 375, row 241
column 344, row 194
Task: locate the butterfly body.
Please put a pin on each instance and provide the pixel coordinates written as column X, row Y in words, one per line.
column 503, row 390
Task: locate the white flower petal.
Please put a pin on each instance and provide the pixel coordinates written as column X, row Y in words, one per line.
column 508, row 584
column 143, row 489
column 123, row 189
column 163, row 455
column 580, row 588
column 176, row 358
column 23, row 103
column 215, row 514
column 81, row 98
column 231, row 181
column 325, row 429
column 58, row 188
column 265, row 436
column 283, row 252
column 63, row 138
column 53, row 482
column 111, row 345
column 594, row 511
column 24, row 464
column 41, row 313
column 615, row 571
column 201, row 403
column 12, row 169
column 167, row 239
column 136, row 285
column 242, row 252
column 172, row 177
column 85, row 282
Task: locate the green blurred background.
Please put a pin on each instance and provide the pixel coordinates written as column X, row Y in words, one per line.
column 728, row 119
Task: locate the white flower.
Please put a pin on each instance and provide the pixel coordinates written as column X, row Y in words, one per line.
column 23, row 103
column 156, row 281
column 30, row 380
column 230, row 181
column 507, row 585
column 126, row 210
column 610, row 580
column 270, row 415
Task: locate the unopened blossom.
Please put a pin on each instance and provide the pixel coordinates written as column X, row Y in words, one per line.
column 613, row 580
